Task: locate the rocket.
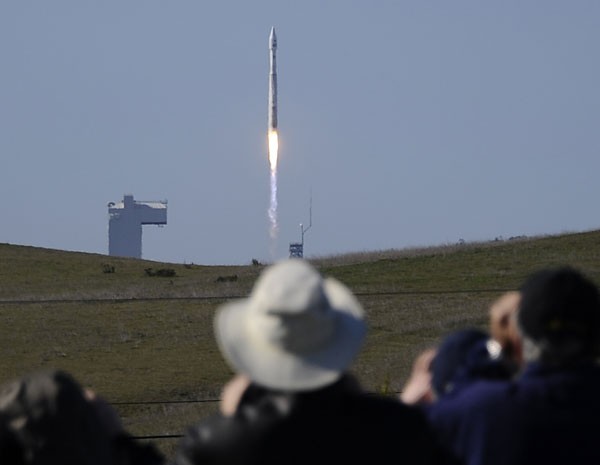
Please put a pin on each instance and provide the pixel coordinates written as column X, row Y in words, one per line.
column 272, row 113
column 272, row 136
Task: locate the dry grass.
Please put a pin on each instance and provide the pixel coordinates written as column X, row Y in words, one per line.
column 152, row 340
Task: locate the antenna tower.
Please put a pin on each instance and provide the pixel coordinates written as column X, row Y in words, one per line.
column 297, row 248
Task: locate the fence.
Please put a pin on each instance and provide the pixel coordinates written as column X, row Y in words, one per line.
column 441, row 295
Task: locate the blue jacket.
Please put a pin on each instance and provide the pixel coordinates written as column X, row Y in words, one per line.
column 548, row 416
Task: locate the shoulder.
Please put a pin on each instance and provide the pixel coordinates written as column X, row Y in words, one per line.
column 473, row 410
column 213, row 440
column 388, row 421
column 481, row 396
column 387, row 408
column 402, row 431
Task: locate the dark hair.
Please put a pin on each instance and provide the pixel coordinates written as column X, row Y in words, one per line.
column 559, row 306
column 59, row 425
column 46, row 419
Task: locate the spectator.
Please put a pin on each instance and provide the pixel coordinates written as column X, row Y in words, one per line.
column 462, row 358
column 47, row 419
column 10, row 452
column 293, row 401
column 468, row 355
column 551, row 413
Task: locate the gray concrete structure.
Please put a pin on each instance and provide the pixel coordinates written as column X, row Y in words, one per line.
column 125, row 223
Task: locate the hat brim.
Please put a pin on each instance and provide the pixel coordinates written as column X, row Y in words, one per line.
column 273, row 367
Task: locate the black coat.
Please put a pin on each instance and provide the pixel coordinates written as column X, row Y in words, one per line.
column 337, row 424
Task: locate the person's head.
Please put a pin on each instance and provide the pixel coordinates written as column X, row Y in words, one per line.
column 296, row 332
column 48, row 420
column 559, row 317
column 463, row 357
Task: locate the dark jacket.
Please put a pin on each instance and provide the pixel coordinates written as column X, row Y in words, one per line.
column 549, row 416
column 335, row 424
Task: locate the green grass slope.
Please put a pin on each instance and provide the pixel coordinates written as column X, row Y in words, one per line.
column 145, row 342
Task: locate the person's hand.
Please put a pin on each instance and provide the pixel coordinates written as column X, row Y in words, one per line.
column 503, row 324
column 232, row 394
column 417, row 389
column 502, row 314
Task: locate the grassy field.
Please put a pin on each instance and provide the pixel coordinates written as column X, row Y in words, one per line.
column 145, row 342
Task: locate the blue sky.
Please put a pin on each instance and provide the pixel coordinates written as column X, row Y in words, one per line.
column 412, row 123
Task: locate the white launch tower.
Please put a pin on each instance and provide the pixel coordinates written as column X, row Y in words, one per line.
column 125, row 224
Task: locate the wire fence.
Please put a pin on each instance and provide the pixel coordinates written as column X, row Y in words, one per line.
column 217, row 298
column 233, row 297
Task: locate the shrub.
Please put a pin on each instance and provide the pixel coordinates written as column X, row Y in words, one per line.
column 107, row 268
column 227, row 279
column 162, row 272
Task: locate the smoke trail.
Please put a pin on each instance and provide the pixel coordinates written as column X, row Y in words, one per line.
column 273, row 208
column 273, row 155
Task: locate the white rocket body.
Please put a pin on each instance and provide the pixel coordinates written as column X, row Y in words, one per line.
column 272, row 113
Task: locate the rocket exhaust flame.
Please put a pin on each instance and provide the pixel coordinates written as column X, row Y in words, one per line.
column 273, row 149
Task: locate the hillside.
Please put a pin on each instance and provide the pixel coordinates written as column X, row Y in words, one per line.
column 145, row 341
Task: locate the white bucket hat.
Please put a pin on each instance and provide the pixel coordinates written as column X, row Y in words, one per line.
column 296, row 331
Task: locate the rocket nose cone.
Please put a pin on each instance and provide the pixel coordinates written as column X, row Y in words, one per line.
column 272, row 39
